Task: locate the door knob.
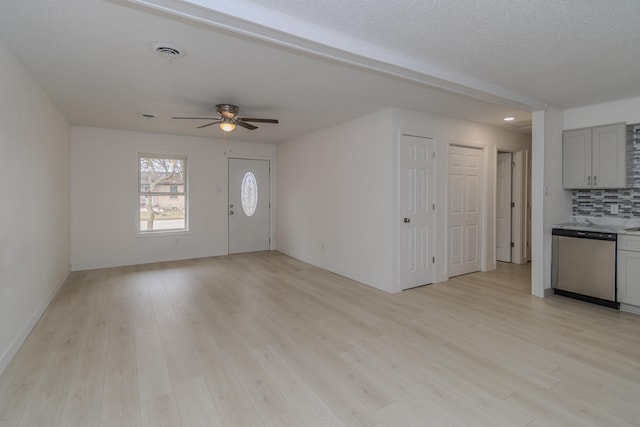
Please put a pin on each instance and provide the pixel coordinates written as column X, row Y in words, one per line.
column 230, row 212
column 407, row 220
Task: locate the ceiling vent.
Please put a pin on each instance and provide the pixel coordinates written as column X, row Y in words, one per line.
column 168, row 50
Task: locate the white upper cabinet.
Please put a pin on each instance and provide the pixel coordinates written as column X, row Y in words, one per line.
column 576, row 158
column 595, row 157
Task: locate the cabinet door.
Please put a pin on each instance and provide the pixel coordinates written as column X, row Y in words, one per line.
column 609, row 169
column 576, row 158
column 628, row 274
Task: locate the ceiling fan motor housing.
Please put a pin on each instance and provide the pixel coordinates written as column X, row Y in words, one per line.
column 227, row 110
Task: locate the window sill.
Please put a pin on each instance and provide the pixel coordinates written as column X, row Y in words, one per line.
column 159, row 233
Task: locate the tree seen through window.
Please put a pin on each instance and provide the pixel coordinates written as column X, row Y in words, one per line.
column 162, row 193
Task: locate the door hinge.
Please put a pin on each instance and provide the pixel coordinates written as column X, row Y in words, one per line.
column 513, row 205
column 433, row 260
column 513, row 245
column 433, row 154
column 513, row 164
column 434, row 206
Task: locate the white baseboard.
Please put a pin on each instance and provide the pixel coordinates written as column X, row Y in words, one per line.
column 9, row 353
column 140, row 261
column 335, row 269
column 442, row 277
column 630, row 308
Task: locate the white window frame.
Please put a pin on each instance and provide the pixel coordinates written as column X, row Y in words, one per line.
column 167, row 193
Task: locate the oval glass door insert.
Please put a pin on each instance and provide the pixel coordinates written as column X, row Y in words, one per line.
column 249, row 194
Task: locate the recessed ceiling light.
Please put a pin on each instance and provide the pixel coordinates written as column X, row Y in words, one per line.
column 509, row 118
column 168, row 50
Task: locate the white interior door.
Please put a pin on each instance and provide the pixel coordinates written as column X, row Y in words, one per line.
column 249, row 205
column 465, row 191
column 527, row 227
column 416, row 211
column 518, row 197
column 503, row 207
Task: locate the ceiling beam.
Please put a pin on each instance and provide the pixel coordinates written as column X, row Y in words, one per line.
column 284, row 30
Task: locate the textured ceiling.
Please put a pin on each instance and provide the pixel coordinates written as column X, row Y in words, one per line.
column 568, row 53
column 93, row 58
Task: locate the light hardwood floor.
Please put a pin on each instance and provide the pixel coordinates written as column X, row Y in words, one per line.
column 265, row 340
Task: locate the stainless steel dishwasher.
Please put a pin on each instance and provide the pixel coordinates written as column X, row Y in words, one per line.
column 583, row 265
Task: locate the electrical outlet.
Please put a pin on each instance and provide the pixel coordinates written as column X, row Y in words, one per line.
column 614, row 209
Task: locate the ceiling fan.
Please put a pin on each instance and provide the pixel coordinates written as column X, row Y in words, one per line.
column 227, row 119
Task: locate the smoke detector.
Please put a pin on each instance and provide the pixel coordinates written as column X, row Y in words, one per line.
column 168, row 50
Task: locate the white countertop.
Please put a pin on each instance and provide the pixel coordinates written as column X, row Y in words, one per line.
column 602, row 225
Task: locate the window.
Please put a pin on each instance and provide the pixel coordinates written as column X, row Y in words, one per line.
column 162, row 190
column 249, row 194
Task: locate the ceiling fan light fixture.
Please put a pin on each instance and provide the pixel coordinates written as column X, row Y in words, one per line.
column 227, row 126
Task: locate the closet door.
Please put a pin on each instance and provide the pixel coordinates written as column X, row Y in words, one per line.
column 465, row 208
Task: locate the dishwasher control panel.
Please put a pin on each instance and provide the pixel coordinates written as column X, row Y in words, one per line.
column 595, row 235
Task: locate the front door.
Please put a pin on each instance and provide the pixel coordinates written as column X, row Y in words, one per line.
column 416, row 211
column 249, row 205
column 465, row 192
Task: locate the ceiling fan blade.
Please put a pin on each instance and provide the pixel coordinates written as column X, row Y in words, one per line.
column 246, row 125
column 208, row 124
column 195, row 118
column 248, row 119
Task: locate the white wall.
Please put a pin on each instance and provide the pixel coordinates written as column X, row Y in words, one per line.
column 34, row 213
column 335, row 200
column 104, row 198
column 551, row 204
column 338, row 192
column 448, row 131
column 624, row 110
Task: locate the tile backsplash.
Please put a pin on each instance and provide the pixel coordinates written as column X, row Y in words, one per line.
column 597, row 203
